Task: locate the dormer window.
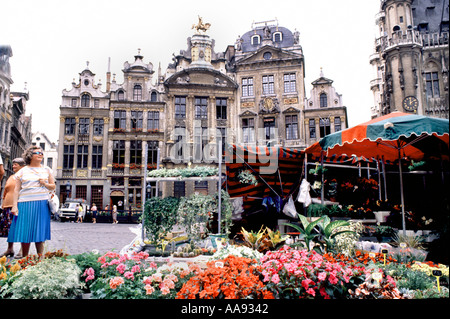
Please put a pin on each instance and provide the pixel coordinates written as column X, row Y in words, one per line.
column 277, row 36
column 85, row 100
column 256, row 39
column 120, row 95
column 137, row 93
column 153, row 97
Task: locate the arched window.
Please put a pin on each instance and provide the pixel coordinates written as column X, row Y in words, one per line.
column 120, row 95
column 277, row 37
column 256, row 39
column 137, row 93
column 153, row 97
column 323, row 100
column 85, row 100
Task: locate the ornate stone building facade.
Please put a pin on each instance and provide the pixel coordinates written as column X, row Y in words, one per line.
column 253, row 93
column 411, row 58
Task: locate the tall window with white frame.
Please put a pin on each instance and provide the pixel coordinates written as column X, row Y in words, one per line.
column 82, row 156
column 180, row 107
column 97, row 156
column 248, row 130
column 152, row 121
column 432, row 84
column 289, row 83
column 323, row 100
column 120, row 118
column 68, row 156
column 98, row 127
column 136, row 152
column 136, row 120
column 312, row 128
column 337, row 124
column 69, row 126
column 291, row 127
column 268, row 85
column 221, row 108
column 118, row 152
column 85, row 100
column 137, row 92
column 201, row 107
column 247, row 87
column 83, row 126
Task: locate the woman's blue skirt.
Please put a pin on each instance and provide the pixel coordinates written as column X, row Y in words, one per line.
column 32, row 224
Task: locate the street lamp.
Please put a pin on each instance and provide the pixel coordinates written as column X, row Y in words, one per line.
column 68, row 189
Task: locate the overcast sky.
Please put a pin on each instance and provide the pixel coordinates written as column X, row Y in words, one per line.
column 51, row 41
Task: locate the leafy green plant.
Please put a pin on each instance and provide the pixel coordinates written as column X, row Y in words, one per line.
column 316, row 210
column 160, row 216
column 53, row 278
column 308, row 232
column 194, row 213
column 329, row 230
column 246, row 177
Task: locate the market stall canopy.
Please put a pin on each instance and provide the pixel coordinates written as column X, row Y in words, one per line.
column 417, row 137
column 392, row 137
column 276, row 172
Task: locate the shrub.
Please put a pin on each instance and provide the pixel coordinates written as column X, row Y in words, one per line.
column 53, row 278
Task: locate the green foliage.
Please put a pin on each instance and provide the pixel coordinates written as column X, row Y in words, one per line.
column 53, row 278
column 197, row 171
column 194, row 213
column 320, row 233
column 160, row 216
column 247, row 177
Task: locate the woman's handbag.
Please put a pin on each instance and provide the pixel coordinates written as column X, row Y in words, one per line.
column 53, row 203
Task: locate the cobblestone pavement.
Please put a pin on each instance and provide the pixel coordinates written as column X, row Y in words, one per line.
column 77, row 238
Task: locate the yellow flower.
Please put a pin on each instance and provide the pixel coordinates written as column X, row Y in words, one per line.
column 3, row 260
column 15, row 268
column 3, row 276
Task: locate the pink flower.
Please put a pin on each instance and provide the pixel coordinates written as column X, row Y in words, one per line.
column 306, row 282
column 311, row 291
column 332, row 279
column 129, row 275
column 136, row 268
column 153, row 265
column 121, row 268
column 275, row 279
column 322, row 276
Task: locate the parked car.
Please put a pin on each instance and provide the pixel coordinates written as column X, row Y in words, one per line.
column 68, row 210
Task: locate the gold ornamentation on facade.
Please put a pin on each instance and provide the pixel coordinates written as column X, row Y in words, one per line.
column 292, row 100
column 248, row 104
column 82, row 173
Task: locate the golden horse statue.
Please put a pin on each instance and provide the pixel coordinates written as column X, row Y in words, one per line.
column 200, row 26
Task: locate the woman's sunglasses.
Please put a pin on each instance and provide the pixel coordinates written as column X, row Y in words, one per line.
column 38, row 153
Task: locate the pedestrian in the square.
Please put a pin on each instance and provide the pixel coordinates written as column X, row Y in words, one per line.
column 80, row 214
column 114, row 214
column 7, row 203
column 31, row 223
column 94, row 213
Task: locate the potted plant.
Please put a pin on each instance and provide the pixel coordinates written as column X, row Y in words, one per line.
column 384, row 233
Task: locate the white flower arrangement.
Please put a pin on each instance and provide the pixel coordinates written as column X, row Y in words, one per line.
column 238, row 251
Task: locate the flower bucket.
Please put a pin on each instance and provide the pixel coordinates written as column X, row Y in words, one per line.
column 382, row 216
